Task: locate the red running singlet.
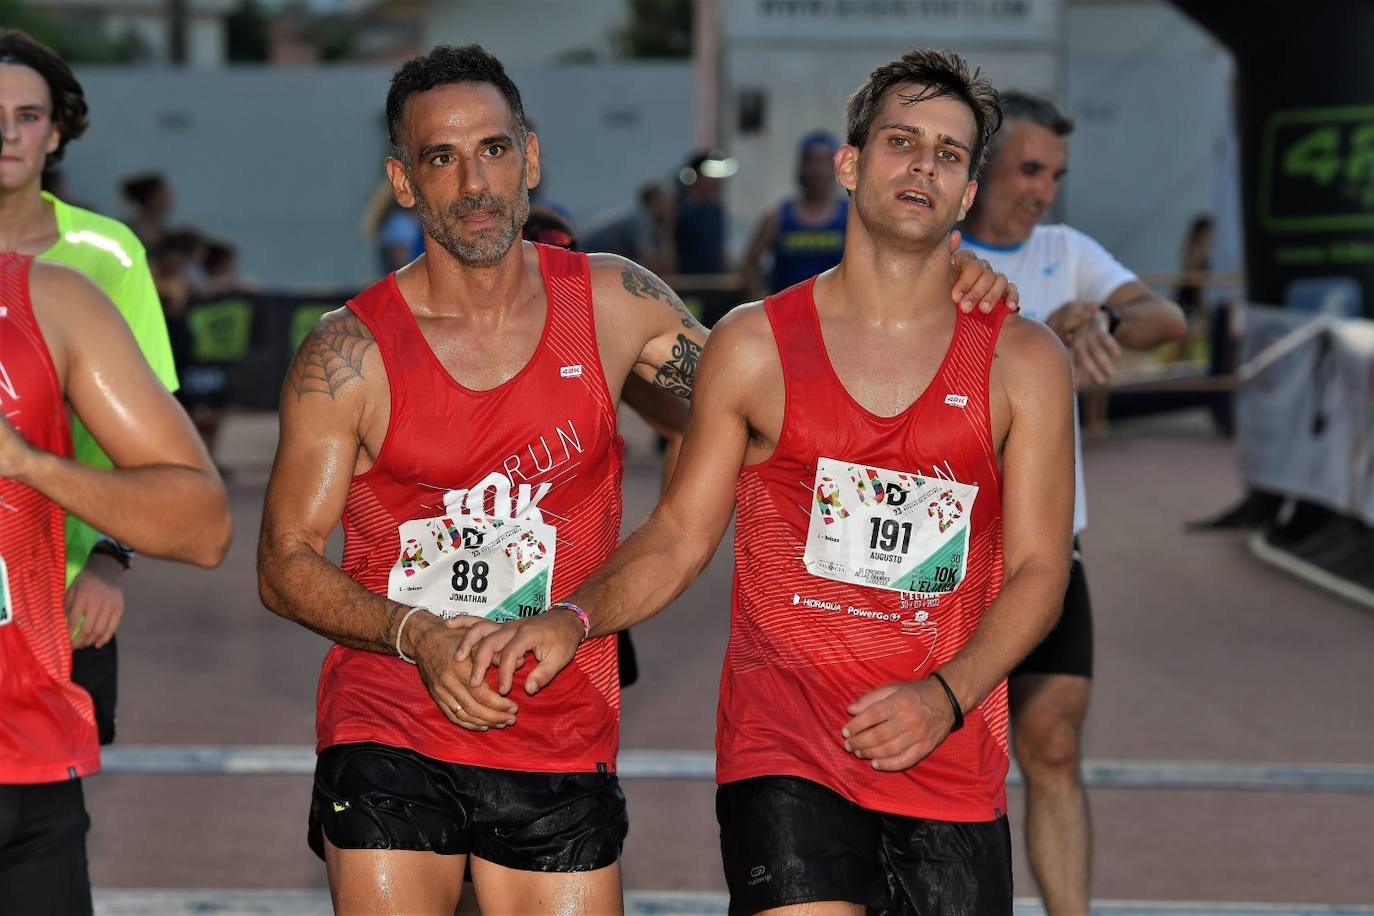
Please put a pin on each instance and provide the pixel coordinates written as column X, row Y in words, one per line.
column 553, row 422
column 47, row 728
column 802, row 647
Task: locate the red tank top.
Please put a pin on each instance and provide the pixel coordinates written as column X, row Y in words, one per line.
column 47, row 729
column 554, row 422
column 802, row 647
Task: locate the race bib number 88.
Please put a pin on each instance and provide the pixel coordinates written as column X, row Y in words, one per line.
column 888, row 529
column 489, row 555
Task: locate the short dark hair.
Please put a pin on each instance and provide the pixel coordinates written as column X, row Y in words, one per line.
column 69, row 111
column 944, row 73
column 1022, row 106
column 442, row 66
column 140, row 188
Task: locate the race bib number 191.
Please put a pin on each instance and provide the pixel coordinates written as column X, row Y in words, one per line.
column 888, row 529
column 493, row 562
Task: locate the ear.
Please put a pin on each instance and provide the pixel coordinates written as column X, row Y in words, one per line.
column 532, row 173
column 847, row 166
column 970, row 192
column 54, row 140
column 400, row 182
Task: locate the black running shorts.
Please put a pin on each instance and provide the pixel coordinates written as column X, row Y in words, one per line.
column 1068, row 649
column 43, row 849
column 787, row 840
column 371, row 796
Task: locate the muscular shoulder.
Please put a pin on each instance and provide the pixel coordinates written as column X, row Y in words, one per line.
column 335, row 358
column 616, row 279
column 742, row 343
column 1030, row 358
column 66, row 296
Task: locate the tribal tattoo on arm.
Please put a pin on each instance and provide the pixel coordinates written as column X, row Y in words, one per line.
column 679, row 374
column 331, row 356
column 642, row 284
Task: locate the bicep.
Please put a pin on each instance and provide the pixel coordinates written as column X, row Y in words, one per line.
column 1038, row 456
column 313, row 470
column 117, row 396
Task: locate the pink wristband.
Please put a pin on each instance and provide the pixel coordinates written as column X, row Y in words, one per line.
column 581, row 615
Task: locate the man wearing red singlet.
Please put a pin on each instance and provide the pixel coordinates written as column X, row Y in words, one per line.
column 459, row 417
column 904, row 480
column 63, row 346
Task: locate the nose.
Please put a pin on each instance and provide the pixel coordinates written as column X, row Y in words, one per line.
column 923, row 160
column 472, row 178
column 1046, row 189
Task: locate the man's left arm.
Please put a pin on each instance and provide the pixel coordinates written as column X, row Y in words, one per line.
column 898, row 725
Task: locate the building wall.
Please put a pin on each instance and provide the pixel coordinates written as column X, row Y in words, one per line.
column 282, row 162
column 526, row 31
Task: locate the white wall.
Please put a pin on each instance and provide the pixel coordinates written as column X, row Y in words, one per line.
column 525, row 31
column 281, row 162
column 1155, row 141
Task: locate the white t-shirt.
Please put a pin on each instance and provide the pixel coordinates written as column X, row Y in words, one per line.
column 1058, row 264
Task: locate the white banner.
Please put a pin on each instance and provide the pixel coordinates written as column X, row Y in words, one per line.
column 922, row 23
column 1305, row 408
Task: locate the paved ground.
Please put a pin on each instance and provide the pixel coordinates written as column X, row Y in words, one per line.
column 1204, row 654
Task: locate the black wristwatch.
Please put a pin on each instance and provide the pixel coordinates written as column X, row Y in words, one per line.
column 1113, row 319
column 112, row 548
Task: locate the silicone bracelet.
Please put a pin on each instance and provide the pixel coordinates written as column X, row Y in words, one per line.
column 404, row 657
column 581, row 615
column 953, row 701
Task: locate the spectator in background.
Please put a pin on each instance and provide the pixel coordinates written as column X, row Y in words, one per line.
column 700, row 230
column 1197, row 263
column 803, row 234
column 642, row 232
column 219, row 266
column 150, row 194
column 549, row 227
column 399, row 238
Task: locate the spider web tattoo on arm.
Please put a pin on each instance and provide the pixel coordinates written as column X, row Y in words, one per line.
column 330, row 357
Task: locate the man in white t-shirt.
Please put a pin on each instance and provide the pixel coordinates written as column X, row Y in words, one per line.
column 1096, row 306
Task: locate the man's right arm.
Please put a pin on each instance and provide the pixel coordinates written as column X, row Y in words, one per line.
column 327, row 400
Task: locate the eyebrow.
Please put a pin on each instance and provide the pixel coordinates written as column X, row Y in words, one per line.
column 1036, row 163
column 945, row 139
column 434, row 149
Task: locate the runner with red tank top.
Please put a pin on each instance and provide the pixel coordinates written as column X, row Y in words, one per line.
column 459, row 418
column 63, row 344
column 903, row 476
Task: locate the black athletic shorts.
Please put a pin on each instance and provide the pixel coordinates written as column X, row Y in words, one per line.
column 371, row 796
column 43, row 849
column 1068, row 649
column 787, row 840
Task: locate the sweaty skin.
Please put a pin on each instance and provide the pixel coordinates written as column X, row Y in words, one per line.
column 163, row 497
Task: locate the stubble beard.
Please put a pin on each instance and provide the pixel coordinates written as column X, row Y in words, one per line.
column 490, row 244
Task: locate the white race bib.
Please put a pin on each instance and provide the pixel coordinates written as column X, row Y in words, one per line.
column 497, row 564
column 888, row 529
